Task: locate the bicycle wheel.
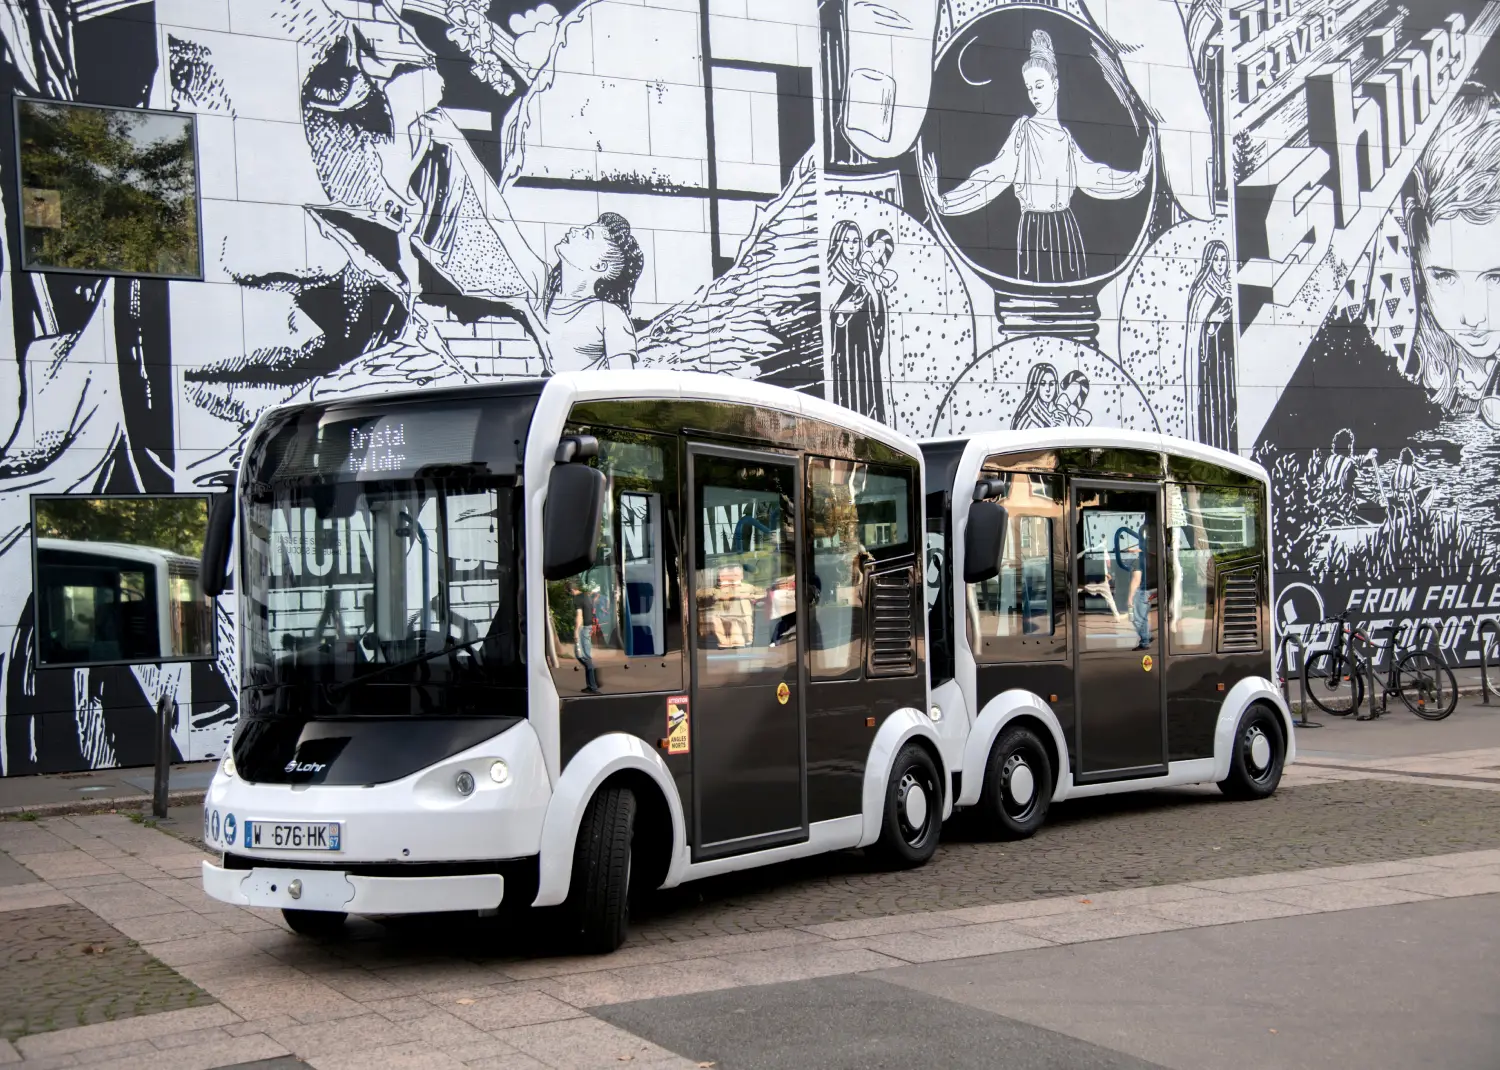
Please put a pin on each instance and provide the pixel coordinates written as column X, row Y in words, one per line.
column 1426, row 685
column 1336, row 687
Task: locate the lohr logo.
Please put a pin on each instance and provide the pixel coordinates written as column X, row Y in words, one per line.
column 295, row 766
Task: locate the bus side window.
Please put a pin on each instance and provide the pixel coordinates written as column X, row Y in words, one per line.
column 608, row 626
column 858, row 515
column 1209, row 530
column 1015, row 615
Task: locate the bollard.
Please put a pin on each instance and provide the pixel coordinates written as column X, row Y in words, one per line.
column 164, row 709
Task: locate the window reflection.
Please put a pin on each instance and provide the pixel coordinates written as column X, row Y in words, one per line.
column 1209, row 528
column 1021, row 603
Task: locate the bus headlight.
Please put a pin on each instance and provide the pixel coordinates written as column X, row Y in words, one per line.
column 464, row 783
column 227, row 765
column 500, row 772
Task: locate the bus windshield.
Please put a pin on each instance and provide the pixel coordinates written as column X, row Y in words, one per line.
column 372, row 587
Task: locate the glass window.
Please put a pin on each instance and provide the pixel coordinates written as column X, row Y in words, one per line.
column 380, row 575
column 606, row 624
column 108, row 190
column 117, row 580
column 744, row 579
column 1209, row 529
column 1117, row 569
column 1015, row 614
column 856, row 516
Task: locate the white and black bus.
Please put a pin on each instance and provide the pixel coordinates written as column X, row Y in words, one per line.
column 554, row 642
column 1098, row 619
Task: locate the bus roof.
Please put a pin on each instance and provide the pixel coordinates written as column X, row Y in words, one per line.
column 567, row 388
column 1047, row 438
column 123, row 550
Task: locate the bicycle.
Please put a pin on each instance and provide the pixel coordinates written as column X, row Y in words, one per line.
column 1334, row 678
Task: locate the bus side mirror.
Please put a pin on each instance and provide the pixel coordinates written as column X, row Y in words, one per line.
column 984, row 541
column 574, row 509
column 213, row 565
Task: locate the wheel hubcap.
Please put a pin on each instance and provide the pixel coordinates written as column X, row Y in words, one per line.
column 1258, row 749
column 1020, row 784
column 913, row 798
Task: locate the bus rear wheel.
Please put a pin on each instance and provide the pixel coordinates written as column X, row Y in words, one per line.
column 1259, row 754
column 1017, row 784
column 320, row 924
column 599, row 895
column 913, row 818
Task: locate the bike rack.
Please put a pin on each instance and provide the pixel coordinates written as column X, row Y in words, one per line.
column 1484, row 659
column 1286, row 686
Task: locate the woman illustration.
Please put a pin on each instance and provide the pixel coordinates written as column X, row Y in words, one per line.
column 1208, row 369
column 1044, row 165
column 857, row 317
column 1038, row 406
column 1453, row 223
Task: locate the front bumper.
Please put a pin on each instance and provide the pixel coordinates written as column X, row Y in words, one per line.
column 335, row 890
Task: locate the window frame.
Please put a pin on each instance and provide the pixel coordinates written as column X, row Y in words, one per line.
column 881, row 560
column 1256, row 558
column 1013, row 649
column 671, row 549
column 37, row 501
column 23, row 261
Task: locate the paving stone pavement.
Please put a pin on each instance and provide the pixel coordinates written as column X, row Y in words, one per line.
column 63, row 966
column 423, row 995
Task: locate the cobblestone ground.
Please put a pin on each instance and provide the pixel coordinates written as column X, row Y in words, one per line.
column 1104, row 844
column 61, row 966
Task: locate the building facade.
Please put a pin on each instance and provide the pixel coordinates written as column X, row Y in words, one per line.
column 1267, row 225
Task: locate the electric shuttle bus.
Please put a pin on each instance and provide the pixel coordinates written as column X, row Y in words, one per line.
column 1099, row 619
column 551, row 643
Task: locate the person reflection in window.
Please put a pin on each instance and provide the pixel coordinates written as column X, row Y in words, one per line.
column 583, row 634
column 1139, row 598
column 731, row 613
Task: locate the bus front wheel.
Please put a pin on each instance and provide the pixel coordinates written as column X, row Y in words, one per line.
column 1017, row 784
column 599, row 896
column 913, row 817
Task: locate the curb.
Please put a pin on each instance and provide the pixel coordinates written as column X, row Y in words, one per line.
column 94, row 806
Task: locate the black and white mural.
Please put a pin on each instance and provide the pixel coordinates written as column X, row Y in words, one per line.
column 1263, row 225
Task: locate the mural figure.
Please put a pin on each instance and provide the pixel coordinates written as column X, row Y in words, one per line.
column 1208, row 367
column 858, row 316
column 1041, row 161
column 1453, row 222
column 580, row 305
column 1038, row 406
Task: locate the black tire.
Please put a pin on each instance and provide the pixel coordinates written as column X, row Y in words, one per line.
column 1426, row 685
column 318, row 924
column 1018, row 784
column 598, row 906
column 1339, row 688
column 1254, row 771
column 913, row 821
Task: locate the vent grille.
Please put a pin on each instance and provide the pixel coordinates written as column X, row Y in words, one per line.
column 1239, row 611
column 893, row 635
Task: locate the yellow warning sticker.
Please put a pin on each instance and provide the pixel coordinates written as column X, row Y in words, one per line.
column 677, row 724
column 783, row 693
column 1146, row 662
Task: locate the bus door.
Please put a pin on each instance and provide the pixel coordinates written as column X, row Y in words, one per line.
column 749, row 756
column 1121, row 720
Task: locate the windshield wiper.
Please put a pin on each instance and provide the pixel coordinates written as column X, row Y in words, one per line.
column 338, row 691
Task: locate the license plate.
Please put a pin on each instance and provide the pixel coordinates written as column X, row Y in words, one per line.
column 293, row 835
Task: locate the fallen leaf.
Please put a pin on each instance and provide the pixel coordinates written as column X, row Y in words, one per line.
column 1273, row 1030
column 465, row 1002
column 705, row 1066
column 1085, row 900
column 624, row 1058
